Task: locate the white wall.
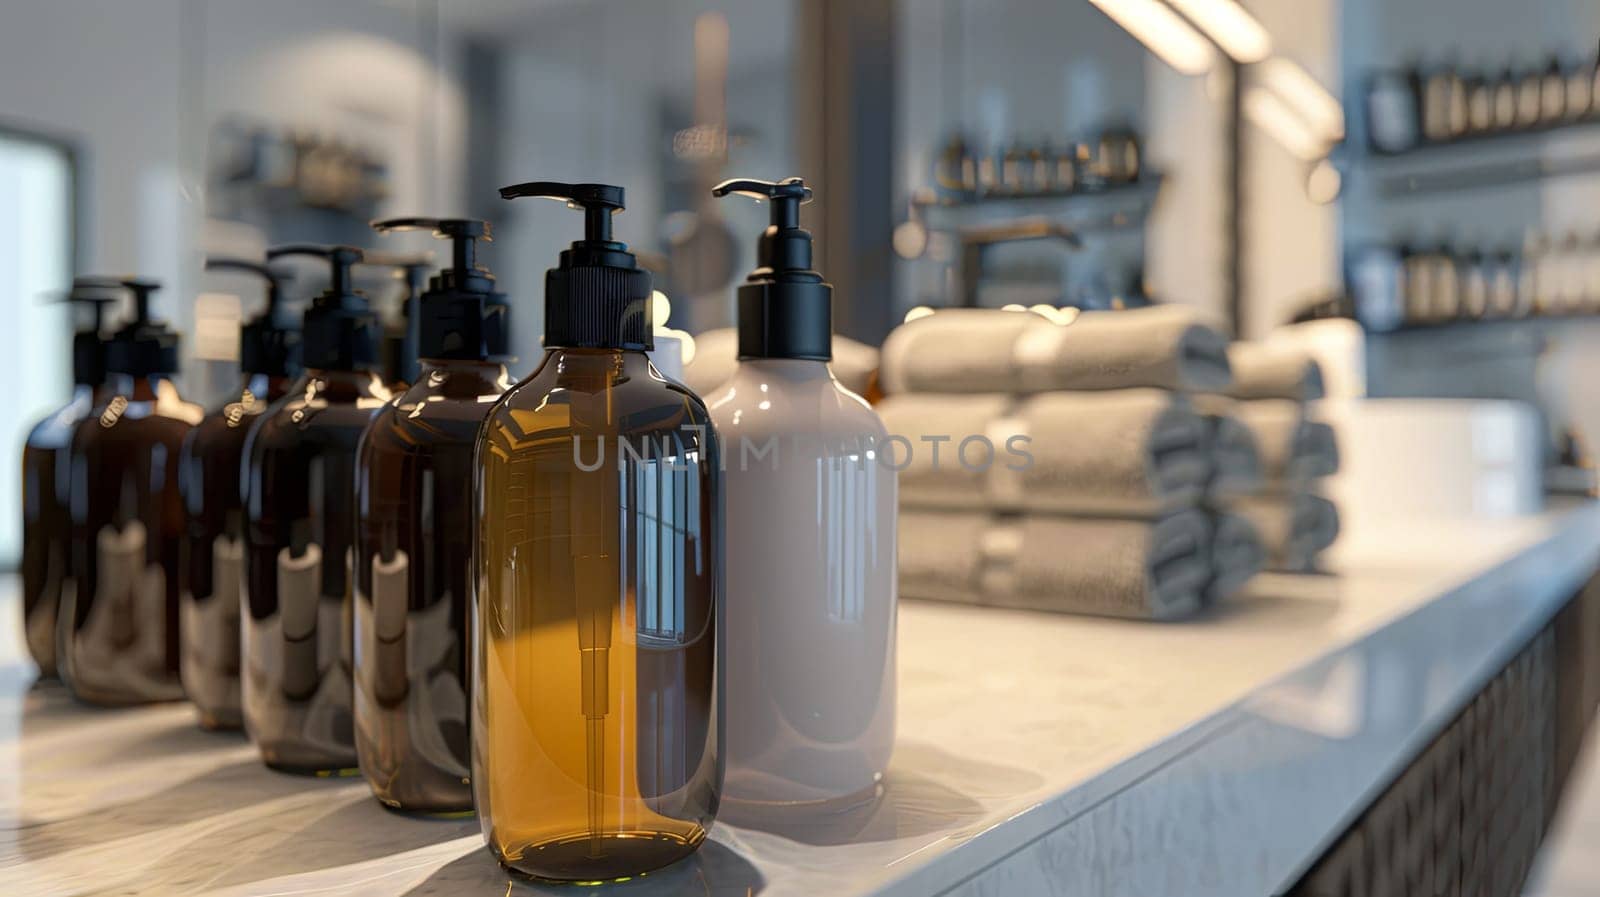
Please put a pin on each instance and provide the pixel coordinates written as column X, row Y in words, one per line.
column 114, row 77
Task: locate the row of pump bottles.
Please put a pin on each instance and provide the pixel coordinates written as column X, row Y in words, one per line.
column 568, row 603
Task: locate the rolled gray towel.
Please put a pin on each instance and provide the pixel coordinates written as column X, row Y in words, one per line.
column 716, row 357
column 1265, row 371
column 1294, row 529
column 985, row 350
column 1236, row 468
column 1136, row 569
column 1237, row 555
column 1294, row 450
column 1133, row 452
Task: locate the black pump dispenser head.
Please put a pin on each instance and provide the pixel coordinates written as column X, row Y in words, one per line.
column 598, row 297
column 459, row 315
column 340, row 333
column 785, row 308
column 88, row 346
column 142, row 347
column 399, row 347
column 266, row 346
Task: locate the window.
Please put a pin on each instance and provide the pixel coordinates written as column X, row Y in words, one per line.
column 36, row 258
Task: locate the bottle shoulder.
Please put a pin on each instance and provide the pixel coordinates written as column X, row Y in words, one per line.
column 635, row 399
column 756, row 402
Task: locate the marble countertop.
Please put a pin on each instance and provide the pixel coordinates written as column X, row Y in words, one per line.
column 1036, row 753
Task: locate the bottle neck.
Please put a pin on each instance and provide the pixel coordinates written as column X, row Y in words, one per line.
column 467, row 378
column 341, row 385
column 136, row 389
column 794, row 370
column 580, row 364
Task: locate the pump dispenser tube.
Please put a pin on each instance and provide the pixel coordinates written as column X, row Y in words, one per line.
column 597, row 679
column 811, row 546
column 117, row 629
column 213, row 568
column 413, row 549
column 299, row 524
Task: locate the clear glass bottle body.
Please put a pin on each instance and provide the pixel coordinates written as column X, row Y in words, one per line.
column 299, row 496
column 811, row 590
column 47, row 523
column 117, row 631
column 413, row 585
column 213, row 552
column 596, row 727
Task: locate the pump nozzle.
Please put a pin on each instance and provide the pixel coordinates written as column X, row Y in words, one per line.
column 264, row 346
column 598, row 297
column 340, row 260
column 463, row 234
column 142, row 347
column 340, row 331
column 598, row 202
column 785, row 308
column 461, row 316
column 88, row 349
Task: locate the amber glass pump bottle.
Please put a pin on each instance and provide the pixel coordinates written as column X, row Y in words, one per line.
column 117, row 631
column 46, row 525
column 413, row 550
column 299, row 499
column 596, row 740
column 213, row 564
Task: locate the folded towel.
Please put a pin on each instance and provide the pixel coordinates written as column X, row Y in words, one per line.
column 1132, row 452
column 935, row 428
column 941, row 554
column 1265, row 371
column 1294, row 450
column 984, row 350
column 1154, row 570
column 1294, row 529
column 1137, row 569
column 1235, row 460
column 1236, row 555
column 716, row 357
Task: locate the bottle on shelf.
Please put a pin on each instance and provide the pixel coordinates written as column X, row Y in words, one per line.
column 299, row 485
column 1530, row 98
column 1505, row 101
column 213, row 567
column 597, row 681
column 1480, row 102
column 46, row 520
column 117, row 630
column 810, row 622
column 413, row 548
column 1553, row 94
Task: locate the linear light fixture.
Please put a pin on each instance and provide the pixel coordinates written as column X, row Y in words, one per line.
column 1163, row 32
column 1230, row 25
column 1268, row 111
column 1306, row 95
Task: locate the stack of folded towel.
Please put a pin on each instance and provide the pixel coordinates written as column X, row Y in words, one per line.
column 1269, row 396
column 1063, row 466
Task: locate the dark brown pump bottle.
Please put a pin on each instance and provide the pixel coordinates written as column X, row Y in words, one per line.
column 597, row 678
column 46, row 524
column 213, row 555
column 413, row 574
column 299, row 500
column 117, row 631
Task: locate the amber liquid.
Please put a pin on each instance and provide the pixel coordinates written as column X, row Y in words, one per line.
column 117, row 636
column 597, row 750
column 299, row 527
column 47, row 524
column 210, row 605
column 413, row 586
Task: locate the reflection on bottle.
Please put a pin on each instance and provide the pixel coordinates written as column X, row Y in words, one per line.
column 124, row 629
column 210, row 638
